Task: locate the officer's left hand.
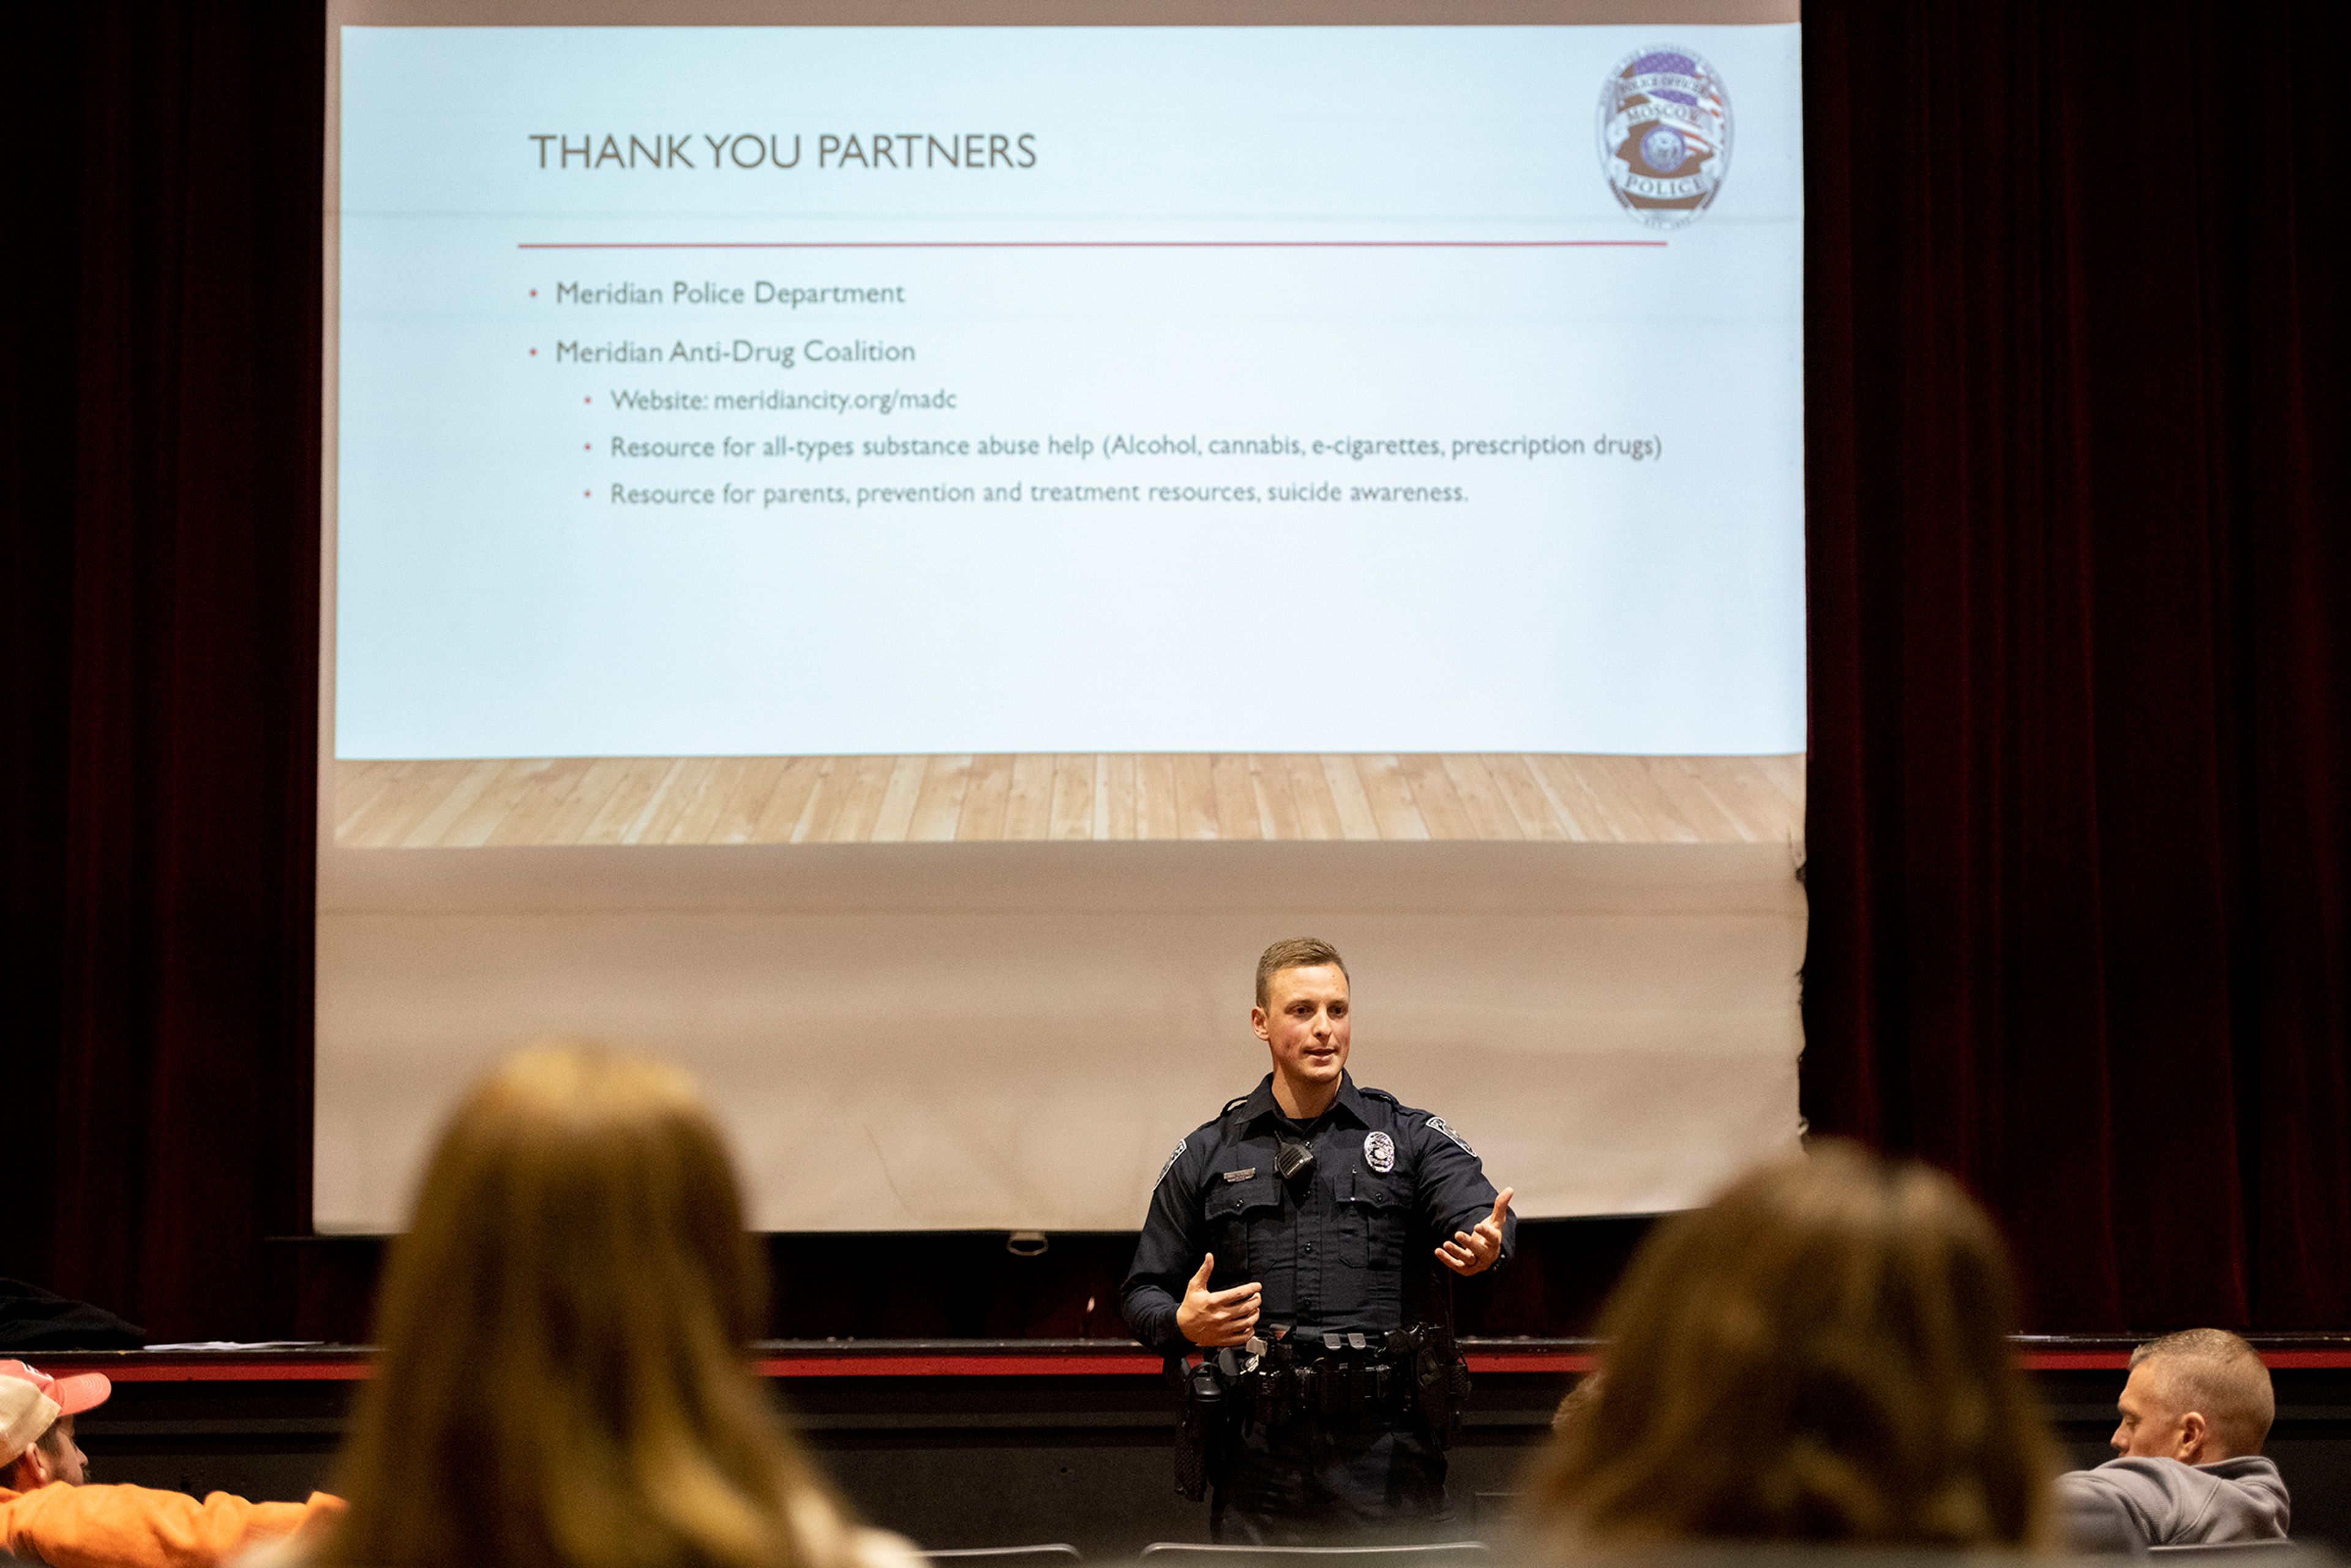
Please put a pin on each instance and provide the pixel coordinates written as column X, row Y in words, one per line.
column 1474, row 1251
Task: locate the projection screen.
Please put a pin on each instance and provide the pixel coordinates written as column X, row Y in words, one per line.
column 885, row 552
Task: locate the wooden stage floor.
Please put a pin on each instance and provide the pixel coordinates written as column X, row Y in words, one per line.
column 551, row 801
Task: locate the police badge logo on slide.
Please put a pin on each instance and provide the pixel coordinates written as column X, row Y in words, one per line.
column 1665, row 134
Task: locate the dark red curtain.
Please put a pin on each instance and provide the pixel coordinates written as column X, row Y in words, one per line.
column 2079, row 569
column 161, row 611
column 2079, row 671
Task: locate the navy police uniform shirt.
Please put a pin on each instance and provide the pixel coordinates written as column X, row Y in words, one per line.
column 1331, row 1258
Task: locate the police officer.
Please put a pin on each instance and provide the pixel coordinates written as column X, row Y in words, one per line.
column 1286, row 1241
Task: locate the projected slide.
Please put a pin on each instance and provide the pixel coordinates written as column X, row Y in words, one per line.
column 843, row 433
column 827, row 520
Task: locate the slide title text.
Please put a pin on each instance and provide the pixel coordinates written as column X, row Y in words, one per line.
column 770, row 150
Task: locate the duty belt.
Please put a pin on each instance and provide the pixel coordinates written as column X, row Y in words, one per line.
column 1412, row 1377
column 1350, row 1378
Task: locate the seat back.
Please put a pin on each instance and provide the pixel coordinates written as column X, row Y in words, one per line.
column 1432, row 1554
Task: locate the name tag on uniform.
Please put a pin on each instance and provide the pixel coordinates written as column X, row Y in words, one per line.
column 1240, row 1175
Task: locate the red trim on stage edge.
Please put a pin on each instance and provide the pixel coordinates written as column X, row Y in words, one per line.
column 231, row 1368
column 1536, row 1361
column 219, row 1368
column 351, row 1366
column 956, row 1366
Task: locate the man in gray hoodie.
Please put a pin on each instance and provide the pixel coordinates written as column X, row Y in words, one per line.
column 2189, row 1470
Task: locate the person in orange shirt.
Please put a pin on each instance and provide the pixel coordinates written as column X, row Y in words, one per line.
column 49, row 1513
column 37, row 1432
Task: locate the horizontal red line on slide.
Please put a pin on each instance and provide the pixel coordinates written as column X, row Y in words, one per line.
column 1097, row 244
column 355, row 1365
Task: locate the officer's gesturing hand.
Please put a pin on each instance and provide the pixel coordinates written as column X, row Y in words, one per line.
column 1214, row 1318
column 1474, row 1251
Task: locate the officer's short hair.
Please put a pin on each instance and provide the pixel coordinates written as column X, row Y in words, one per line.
column 2219, row 1376
column 1295, row 953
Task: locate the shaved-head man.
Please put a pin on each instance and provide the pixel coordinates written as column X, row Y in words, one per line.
column 2188, row 1469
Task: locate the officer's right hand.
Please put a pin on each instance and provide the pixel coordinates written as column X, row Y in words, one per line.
column 1214, row 1318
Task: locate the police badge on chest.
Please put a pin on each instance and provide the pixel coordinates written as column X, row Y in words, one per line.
column 1379, row 1151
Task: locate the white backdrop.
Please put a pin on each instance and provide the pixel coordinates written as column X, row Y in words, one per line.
column 1014, row 1036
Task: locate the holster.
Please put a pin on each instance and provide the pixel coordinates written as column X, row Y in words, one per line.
column 1201, row 1431
column 1439, row 1376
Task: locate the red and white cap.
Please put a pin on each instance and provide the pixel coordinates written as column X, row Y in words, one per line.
column 31, row 1402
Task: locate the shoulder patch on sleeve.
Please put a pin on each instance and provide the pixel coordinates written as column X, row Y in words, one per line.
column 1170, row 1166
column 1436, row 1125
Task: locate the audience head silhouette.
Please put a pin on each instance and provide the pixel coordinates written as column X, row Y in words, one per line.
column 563, row 1380
column 2199, row 1395
column 1820, row 1355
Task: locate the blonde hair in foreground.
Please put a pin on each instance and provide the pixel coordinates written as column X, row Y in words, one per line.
column 1820, row 1355
column 565, row 1327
